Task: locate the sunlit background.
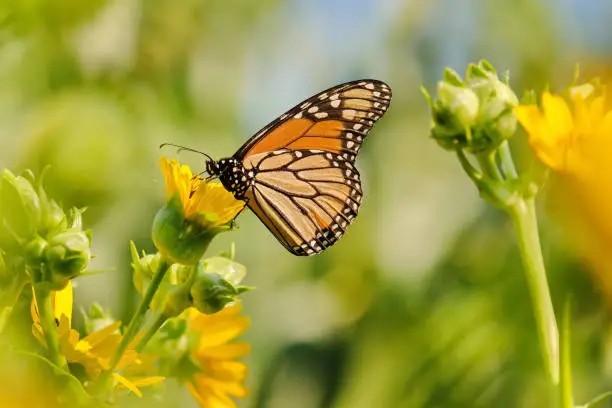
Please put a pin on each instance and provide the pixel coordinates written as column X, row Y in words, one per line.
column 423, row 303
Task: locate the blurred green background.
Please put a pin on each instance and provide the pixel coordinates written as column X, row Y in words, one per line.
column 423, row 303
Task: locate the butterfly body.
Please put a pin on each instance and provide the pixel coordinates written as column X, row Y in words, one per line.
column 233, row 175
column 298, row 173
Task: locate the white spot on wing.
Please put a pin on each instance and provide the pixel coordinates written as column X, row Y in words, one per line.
column 335, row 103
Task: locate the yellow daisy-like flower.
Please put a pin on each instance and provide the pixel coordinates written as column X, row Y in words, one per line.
column 575, row 140
column 94, row 351
column 570, row 138
column 198, row 196
column 221, row 376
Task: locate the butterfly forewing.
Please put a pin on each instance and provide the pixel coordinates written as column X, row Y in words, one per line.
column 336, row 120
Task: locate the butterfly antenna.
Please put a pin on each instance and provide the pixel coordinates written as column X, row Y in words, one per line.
column 189, row 149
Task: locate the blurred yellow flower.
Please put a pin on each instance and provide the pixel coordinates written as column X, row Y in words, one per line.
column 94, row 351
column 575, row 140
column 221, row 376
column 198, row 196
column 570, row 138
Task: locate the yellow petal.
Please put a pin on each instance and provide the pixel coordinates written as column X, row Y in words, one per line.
column 557, row 114
column 99, row 336
column 530, row 118
column 146, row 381
column 225, row 370
column 177, row 179
column 221, row 388
column 582, row 116
column 596, row 111
column 210, row 394
column 127, row 384
column 225, row 351
column 62, row 303
column 214, row 198
column 223, row 331
column 208, row 399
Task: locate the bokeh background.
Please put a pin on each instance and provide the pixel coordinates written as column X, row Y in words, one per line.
column 423, row 303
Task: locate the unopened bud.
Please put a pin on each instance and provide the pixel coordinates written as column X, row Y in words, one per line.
column 67, row 255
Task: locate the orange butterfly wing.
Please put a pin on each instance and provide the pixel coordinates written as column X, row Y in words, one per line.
column 336, row 120
column 307, row 189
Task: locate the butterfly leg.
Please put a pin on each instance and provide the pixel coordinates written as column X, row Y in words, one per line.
column 233, row 222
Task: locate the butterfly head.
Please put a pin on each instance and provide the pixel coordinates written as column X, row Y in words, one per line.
column 213, row 168
column 234, row 177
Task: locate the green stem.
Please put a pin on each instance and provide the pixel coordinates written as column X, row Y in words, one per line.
column 160, row 319
column 136, row 321
column 467, row 167
column 523, row 215
column 507, row 164
column 567, row 398
column 47, row 322
column 488, row 165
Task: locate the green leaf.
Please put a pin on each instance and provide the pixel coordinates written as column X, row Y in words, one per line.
column 453, row 78
column 69, row 388
column 597, row 401
column 427, row 96
column 487, row 66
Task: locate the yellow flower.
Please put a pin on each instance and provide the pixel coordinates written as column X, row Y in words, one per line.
column 572, row 138
column 221, row 376
column 94, row 351
column 575, row 139
column 199, row 197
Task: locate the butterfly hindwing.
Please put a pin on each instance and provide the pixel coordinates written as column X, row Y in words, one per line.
column 306, row 198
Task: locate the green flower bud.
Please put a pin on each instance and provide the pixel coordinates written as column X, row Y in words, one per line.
column 476, row 113
column 459, row 103
column 53, row 219
column 144, row 266
column 178, row 239
column 19, row 205
column 496, row 118
column 454, row 113
column 210, row 293
column 67, row 255
column 35, row 253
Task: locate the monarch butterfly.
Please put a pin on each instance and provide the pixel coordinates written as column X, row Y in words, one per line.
column 298, row 173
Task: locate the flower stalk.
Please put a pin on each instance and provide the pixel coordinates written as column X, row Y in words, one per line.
column 47, row 322
column 158, row 322
column 523, row 215
column 474, row 116
column 136, row 322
